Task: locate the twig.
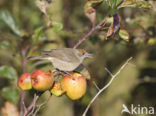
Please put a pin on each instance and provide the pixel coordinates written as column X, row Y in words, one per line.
column 22, row 104
column 147, row 79
column 94, row 28
column 40, row 105
column 33, row 107
column 107, row 85
column 119, row 6
column 36, row 97
column 109, row 72
column 96, row 85
column 22, row 93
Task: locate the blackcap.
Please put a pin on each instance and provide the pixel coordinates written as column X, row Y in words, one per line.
column 64, row 59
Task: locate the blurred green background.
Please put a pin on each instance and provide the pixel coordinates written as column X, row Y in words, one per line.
column 24, row 27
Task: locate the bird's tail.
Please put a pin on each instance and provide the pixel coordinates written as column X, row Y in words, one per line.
column 41, row 57
column 48, row 52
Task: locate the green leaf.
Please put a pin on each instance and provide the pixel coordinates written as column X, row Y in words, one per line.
column 136, row 3
column 57, row 26
column 124, row 35
column 86, row 74
column 39, row 35
column 8, row 19
column 151, row 41
column 118, row 2
column 112, row 3
column 90, row 9
column 8, row 72
column 10, row 94
column 5, row 44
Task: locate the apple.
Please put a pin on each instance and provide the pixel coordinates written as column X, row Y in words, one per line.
column 74, row 86
column 56, row 89
column 24, row 81
column 42, row 81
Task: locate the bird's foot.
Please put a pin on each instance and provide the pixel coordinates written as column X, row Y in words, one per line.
column 67, row 73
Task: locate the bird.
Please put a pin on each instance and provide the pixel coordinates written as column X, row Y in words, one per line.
column 63, row 59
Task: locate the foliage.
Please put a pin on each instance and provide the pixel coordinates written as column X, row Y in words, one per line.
column 28, row 27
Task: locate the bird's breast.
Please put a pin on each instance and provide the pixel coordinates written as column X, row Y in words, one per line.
column 64, row 66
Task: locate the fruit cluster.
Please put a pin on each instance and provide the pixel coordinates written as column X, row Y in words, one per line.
column 73, row 85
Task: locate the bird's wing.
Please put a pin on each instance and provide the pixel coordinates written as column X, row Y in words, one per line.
column 44, row 56
column 66, row 55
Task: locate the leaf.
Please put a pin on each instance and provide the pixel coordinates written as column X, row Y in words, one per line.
column 112, row 3
column 110, row 31
column 82, row 70
column 136, row 3
column 8, row 72
column 118, row 2
column 9, row 109
column 43, row 5
column 116, row 23
column 86, row 74
column 8, row 19
column 124, row 35
column 114, row 27
column 91, row 14
column 57, row 26
column 5, row 44
column 151, row 41
column 10, row 94
column 38, row 34
column 90, row 9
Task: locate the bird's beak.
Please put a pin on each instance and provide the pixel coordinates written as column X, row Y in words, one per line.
column 88, row 55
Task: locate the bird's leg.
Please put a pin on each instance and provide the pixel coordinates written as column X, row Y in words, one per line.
column 65, row 72
column 57, row 72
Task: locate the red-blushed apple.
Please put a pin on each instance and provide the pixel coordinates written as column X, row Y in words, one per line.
column 56, row 89
column 24, row 81
column 74, row 86
column 42, row 81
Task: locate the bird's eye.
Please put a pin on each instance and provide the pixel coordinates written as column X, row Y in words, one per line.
column 83, row 53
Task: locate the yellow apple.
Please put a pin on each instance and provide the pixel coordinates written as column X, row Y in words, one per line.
column 24, row 81
column 74, row 86
column 56, row 89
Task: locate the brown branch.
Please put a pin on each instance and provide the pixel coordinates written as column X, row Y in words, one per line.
column 32, row 105
column 40, row 105
column 22, row 93
column 94, row 28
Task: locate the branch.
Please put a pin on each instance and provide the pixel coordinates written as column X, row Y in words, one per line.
column 94, row 28
column 22, row 93
column 107, row 85
column 38, row 107
column 32, row 105
column 96, row 85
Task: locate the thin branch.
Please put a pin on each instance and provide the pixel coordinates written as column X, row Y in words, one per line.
column 22, row 104
column 109, row 72
column 36, row 97
column 94, row 28
column 40, row 105
column 22, row 93
column 33, row 107
column 107, row 85
column 96, row 85
column 133, row 65
column 147, row 79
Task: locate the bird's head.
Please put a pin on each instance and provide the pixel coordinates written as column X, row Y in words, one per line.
column 83, row 54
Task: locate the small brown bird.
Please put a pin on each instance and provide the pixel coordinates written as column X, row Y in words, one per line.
column 64, row 59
